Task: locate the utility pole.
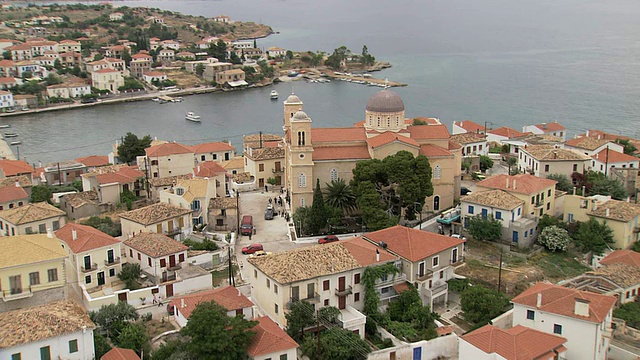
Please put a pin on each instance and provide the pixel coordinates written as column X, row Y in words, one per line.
column 238, row 212
column 59, row 175
column 319, row 351
column 18, row 148
column 146, row 176
column 500, row 271
column 231, row 278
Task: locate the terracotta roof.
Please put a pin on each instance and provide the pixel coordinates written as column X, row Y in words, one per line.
column 120, row 354
column 154, row 213
column 586, row 142
column 269, row 338
column 349, row 134
column 122, row 176
column 469, row 126
column 493, row 198
column 234, row 163
column 29, row 213
column 560, row 300
column 12, row 193
column 193, row 188
column 454, row 145
column 253, row 140
column 429, row 132
column 104, row 71
column 15, row 167
column 6, row 63
column 29, row 325
column 388, row 137
column 468, row 138
column 19, row 47
column 341, row 153
column 228, row 297
column 208, row 169
column 430, row 150
column 27, row 249
column 7, row 80
column 167, row 149
column 617, row 210
column 320, row 260
column 516, row 343
column 154, row 73
column 521, row 183
column 611, row 156
column 94, row 160
column 168, row 181
column 550, row 127
column 550, row 153
column 212, row 147
column 412, row 244
column 155, row 245
column 24, row 180
column 265, row 153
column 624, row 275
column 87, row 238
column 628, row 257
column 506, row 132
column 77, row 200
column 141, row 56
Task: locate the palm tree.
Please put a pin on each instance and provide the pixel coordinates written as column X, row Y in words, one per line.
column 339, row 195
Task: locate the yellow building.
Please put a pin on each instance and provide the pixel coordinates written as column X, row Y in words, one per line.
column 538, row 194
column 32, row 271
column 265, row 163
column 107, row 79
column 331, row 153
column 36, row 218
column 161, row 218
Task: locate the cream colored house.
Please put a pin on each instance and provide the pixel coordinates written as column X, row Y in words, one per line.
column 32, row 271
column 213, row 151
column 193, row 194
column 160, row 218
column 552, row 128
column 107, row 79
column 168, row 159
column 111, row 185
column 544, row 160
column 223, row 213
column 608, row 159
column 94, row 257
column 12, row 196
column 591, row 145
column 69, row 46
column 36, row 218
column 473, row 144
column 213, row 171
column 538, row 194
column 264, row 163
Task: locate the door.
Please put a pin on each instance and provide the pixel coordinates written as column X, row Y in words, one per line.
column 515, row 236
column 110, row 257
column 342, row 302
column 436, row 203
column 295, row 293
column 454, row 255
column 277, row 166
column 417, row 353
column 311, row 290
column 484, row 213
column 101, row 278
column 261, row 183
column 170, row 290
column 172, row 261
column 421, row 269
column 87, row 262
column 341, row 283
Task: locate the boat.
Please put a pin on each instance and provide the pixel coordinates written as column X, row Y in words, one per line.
column 273, row 95
column 155, row 99
column 5, row 126
column 292, row 73
column 178, row 99
column 10, row 135
column 191, row 116
column 16, row 142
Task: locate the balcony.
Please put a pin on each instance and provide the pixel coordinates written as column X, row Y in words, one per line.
column 424, row 277
column 91, row 267
column 314, row 298
column 457, row 262
column 391, row 280
column 174, row 232
column 352, row 319
column 174, row 267
column 168, row 277
column 113, row 261
column 16, row 294
column 346, row 291
column 438, row 289
column 277, row 170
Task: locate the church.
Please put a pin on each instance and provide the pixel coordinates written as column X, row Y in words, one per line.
column 330, row 153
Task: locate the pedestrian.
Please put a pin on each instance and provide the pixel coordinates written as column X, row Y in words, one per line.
column 241, row 265
column 269, row 200
column 250, row 236
column 266, row 189
column 440, row 230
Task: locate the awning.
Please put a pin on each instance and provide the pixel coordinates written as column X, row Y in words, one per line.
column 237, row 83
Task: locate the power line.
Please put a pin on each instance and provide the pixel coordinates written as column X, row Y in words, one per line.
column 72, row 148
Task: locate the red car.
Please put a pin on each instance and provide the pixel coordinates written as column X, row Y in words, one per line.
column 328, row 239
column 252, row 249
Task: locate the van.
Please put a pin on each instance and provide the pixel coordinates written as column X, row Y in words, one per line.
column 247, row 225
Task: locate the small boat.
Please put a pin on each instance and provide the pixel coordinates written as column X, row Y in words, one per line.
column 5, row 126
column 292, row 73
column 10, row 135
column 177, row 99
column 155, row 99
column 191, row 116
column 273, row 95
column 16, row 142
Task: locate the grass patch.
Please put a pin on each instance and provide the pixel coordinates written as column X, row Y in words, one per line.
column 223, row 274
column 557, row 265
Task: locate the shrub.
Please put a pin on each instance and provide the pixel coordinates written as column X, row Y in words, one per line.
column 554, row 238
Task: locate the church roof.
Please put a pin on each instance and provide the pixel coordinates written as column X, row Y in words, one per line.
column 389, row 137
column 341, row 153
column 348, row 134
column 439, row 131
column 385, row 101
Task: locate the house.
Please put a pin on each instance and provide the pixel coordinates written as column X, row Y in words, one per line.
column 168, row 159
column 212, row 69
column 213, row 151
column 428, row 259
column 35, row 218
column 7, row 83
column 212, row 170
column 508, row 209
column 107, row 79
column 271, row 342
column 116, row 16
column 265, row 163
column 165, row 183
column 117, row 51
column 324, row 275
column 467, row 126
column 161, row 218
column 223, row 214
column 503, row 133
column 517, row 343
column 473, row 144
column 63, row 172
column 27, row 100
column 233, row 77
column 110, row 182
column 6, row 100
column 612, row 137
column 32, row 67
column 544, row 160
column 591, row 145
column 628, row 257
column 228, row 297
column 69, row 46
column 92, row 162
column 616, row 279
column 607, row 159
column 579, row 316
column 166, row 56
column 72, row 89
column 193, row 194
column 222, row 19
column 7, row 68
column 171, row 45
column 59, row 330
column 12, row 168
column 276, row 52
column 185, row 55
column 553, row 128
column 81, row 205
column 140, row 63
column 20, row 52
column 151, row 76
column 537, row 193
column 12, row 196
column 94, row 256
column 234, row 165
column 117, row 353
column 32, row 271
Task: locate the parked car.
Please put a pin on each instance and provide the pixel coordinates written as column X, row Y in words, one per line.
column 251, row 249
column 25, row 108
column 328, row 239
column 247, row 225
column 88, row 100
column 465, row 191
column 268, row 214
column 260, row 253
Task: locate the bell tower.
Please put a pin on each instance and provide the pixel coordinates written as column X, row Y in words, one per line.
column 301, row 165
column 291, row 106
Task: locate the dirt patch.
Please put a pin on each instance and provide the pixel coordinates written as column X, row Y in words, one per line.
column 463, row 324
column 184, row 79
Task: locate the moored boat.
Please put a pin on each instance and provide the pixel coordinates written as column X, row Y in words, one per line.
column 10, row 135
column 191, row 116
column 273, row 95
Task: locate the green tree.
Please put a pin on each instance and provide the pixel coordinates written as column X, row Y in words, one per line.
column 214, row 335
column 629, row 148
column 127, row 197
column 629, row 312
column 97, row 57
column 554, row 238
column 133, row 336
column 6, row 55
column 336, row 343
column 339, row 55
column 599, row 184
column 106, row 225
column 100, row 344
column 338, row 194
column 298, row 318
column 318, row 213
column 288, row 55
column 485, row 228
column 466, row 164
column 372, row 208
column 481, row 304
column 126, row 56
column 199, row 69
column 564, row 183
column 112, row 317
column 547, row 220
column 172, row 350
column 486, row 163
column 218, row 50
column 57, row 65
column 130, row 275
column 40, row 193
column 132, row 147
column 593, row 235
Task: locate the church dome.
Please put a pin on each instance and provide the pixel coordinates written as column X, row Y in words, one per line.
column 300, row 116
column 293, row 98
column 386, row 101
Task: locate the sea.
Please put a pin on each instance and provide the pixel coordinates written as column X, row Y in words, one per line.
column 503, row 62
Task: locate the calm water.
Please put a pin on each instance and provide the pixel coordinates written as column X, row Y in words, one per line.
column 510, row 62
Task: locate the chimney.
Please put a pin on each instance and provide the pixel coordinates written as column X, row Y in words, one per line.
column 555, row 154
column 539, row 301
column 606, row 212
column 507, row 184
column 198, row 169
column 377, row 255
column 17, row 183
column 182, row 304
column 581, row 307
column 514, row 184
column 574, row 190
column 74, row 234
column 49, row 233
column 583, row 190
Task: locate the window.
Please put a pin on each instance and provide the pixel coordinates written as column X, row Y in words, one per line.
column 333, row 174
column 276, row 308
column 499, row 215
column 56, row 225
column 261, row 167
column 255, row 274
column 34, row 278
column 575, row 167
column 179, row 191
column 570, row 217
column 437, row 172
column 533, row 199
column 45, row 353
column 326, row 302
column 442, row 274
column 519, row 211
column 434, row 261
column 42, row 228
column 163, row 263
column 112, row 272
column 17, row 356
column 214, row 156
column 557, row 329
column 73, row 346
column 385, row 290
column 356, row 278
column 275, row 288
column 470, row 209
column 149, row 261
column 268, row 284
column 302, row 180
column 530, row 231
column 87, row 279
column 549, row 193
column 325, row 285
column 531, row 315
column 283, row 357
column 181, row 258
column 548, row 205
column 546, row 168
column 195, row 205
column 356, row 297
column 52, row 274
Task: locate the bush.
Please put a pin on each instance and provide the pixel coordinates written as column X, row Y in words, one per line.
column 459, row 285
column 630, row 313
column 206, row 244
column 481, row 304
column 554, row 238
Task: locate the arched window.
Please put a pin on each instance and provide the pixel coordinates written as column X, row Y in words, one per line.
column 437, row 172
column 378, row 120
column 302, row 180
column 436, row 203
column 388, row 121
column 333, row 174
column 397, row 121
column 301, row 139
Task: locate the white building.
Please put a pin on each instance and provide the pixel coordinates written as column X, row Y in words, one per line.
column 582, row 317
column 553, row 128
column 276, row 51
column 151, row 76
column 228, row 297
column 544, row 160
column 160, row 218
column 6, row 100
column 466, row 126
column 116, row 16
column 591, row 145
column 473, row 144
column 608, row 158
column 503, row 133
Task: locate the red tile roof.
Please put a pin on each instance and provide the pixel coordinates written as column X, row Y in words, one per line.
column 412, row 244
column 12, row 193
column 429, row 150
column 429, row 132
column 365, row 253
column 454, row 145
column 524, row 183
column 628, row 257
column 141, row 56
column 87, row 238
column 211, row 147
column 208, row 169
column 506, row 132
column 549, row 127
column 341, row 153
column 94, row 160
column 155, row 245
column 269, row 338
column 5, row 63
column 228, row 297
column 15, row 167
column 517, row 343
column 337, row 134
column 469, row 125
column 102, row 71
column 120, row 354
column 612, row 156
column 389, row 137
column 560, row 300
column 167, row 149
column 7, row 80
column 126, row 175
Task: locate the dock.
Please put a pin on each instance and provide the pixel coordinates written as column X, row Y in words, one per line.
column 367, row 80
